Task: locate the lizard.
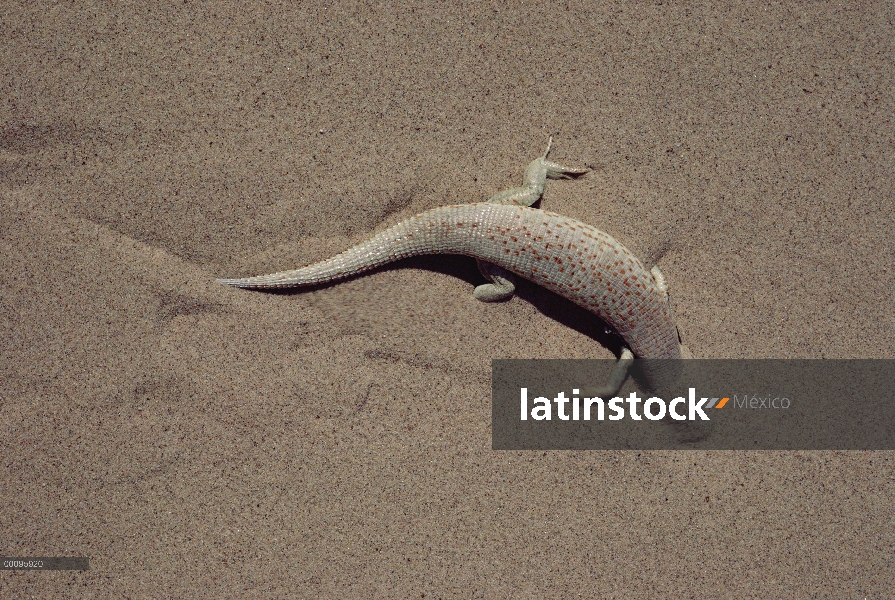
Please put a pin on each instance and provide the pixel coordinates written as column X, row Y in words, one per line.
column 507, row 236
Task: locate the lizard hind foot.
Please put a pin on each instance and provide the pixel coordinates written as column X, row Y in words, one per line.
column 502, row 286
column 555, row 170
column 489, row 292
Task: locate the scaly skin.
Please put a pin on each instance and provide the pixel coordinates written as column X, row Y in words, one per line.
column 571, row 258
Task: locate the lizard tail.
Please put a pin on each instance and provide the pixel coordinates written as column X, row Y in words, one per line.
column 426, row 233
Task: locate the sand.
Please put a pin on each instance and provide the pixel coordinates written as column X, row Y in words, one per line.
column 197, row 441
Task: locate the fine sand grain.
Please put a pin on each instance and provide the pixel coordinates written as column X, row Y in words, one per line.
column 199, row 441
